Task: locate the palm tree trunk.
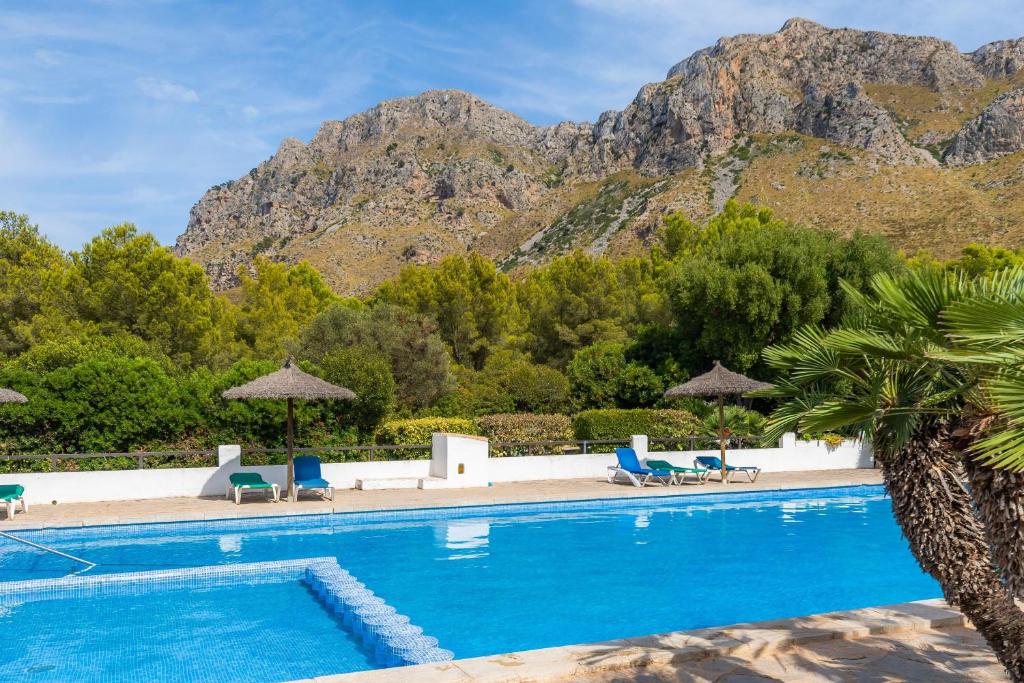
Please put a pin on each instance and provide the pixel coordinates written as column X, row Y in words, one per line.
column 937, row 516
column 999, row 496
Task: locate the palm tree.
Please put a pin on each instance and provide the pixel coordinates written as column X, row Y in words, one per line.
column 987, row 330
column 889, row 372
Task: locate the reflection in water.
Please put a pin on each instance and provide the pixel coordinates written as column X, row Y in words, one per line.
column 463, row 536
column 230, row 544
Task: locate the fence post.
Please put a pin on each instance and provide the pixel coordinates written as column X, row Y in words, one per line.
column 53, row 462
column 142, row 461
column 584, row 447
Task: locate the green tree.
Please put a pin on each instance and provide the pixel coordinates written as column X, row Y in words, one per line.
column 471, row 301
column 126, row 281
column 975, row 260
column 734, row 297
column 277, row 302
column 418, row 357
column 368, row 374
column 475, row 393
column 926, row 366
column 510, row 382
column 572, row 302
column 682, row 237
column 34, row 298
column 601, row 377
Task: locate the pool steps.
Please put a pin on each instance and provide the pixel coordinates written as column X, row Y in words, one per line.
column 387, row 636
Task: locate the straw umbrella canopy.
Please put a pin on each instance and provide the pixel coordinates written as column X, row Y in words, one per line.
column 288, row 384
column 10, row 396
column 718, row 382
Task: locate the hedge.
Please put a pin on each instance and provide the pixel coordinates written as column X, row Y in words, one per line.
column 615, row 423
column 418, row 431
column 525, row 427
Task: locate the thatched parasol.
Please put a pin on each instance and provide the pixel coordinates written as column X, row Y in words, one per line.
column 289, row 383
column 10, row 396
column 718, row 382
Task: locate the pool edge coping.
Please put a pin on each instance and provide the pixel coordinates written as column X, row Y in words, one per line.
column 746, row 640
column 157, row 519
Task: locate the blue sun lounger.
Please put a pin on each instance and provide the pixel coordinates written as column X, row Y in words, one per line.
column 307, row 476
column 638, row 475
column 715, row 465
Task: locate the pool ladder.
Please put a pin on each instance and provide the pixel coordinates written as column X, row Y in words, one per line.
column 88, row 565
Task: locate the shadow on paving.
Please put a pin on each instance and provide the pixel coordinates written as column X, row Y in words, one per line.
column 940, row 656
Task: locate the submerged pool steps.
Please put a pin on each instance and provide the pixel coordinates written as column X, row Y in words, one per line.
column 387, row 636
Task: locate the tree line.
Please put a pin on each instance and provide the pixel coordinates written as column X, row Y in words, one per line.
column 122, row 345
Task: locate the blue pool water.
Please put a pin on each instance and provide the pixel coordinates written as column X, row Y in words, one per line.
column 482, row 581
column 254, row 632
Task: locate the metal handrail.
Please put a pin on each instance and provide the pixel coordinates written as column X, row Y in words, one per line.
column 582, row 444
column 712, row 440
column 140, row 456
column 371, row 449
column 89, row 565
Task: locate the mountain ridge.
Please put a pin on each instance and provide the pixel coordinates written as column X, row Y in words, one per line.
column 413, row 179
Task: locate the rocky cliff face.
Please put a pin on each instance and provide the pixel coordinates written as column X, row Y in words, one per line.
column 414, row 179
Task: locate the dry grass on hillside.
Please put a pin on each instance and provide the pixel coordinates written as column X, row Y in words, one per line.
column 916, row 207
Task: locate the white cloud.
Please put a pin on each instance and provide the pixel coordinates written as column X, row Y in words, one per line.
column 47, row 57
column 250, row 112
column 167, row 91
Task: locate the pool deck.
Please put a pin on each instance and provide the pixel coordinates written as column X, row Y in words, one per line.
column 351, row 500
column 918, row 641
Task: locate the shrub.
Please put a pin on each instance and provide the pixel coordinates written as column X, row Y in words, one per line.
column 369, row 375
column 600, row 376
column 738, row 422
column 614, row 423
column 832, row 440
column 101, row 404
column 525, row 427
column 419, row 430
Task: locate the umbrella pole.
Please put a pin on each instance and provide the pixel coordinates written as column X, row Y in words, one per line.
column 291, row 461
column 721, row 433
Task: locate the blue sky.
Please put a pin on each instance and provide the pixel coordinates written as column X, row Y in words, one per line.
column 115, row 111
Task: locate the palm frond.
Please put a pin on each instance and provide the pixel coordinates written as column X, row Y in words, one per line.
column 1004, row 449
column 987, row 323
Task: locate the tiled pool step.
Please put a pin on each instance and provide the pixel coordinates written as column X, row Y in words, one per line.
column 389, row 637
column 742, row 641
column 133, row 583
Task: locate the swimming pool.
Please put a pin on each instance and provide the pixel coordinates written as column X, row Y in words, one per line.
column 480, row 580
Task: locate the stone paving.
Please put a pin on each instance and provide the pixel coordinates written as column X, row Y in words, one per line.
column 923, row 641
column 351, row 500
column 948, row 655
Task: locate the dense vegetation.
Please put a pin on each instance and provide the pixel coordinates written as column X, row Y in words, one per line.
column 123, row 346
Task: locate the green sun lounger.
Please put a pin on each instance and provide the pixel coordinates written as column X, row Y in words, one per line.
column 250, row 481
column 11, row 493
column 699, row 472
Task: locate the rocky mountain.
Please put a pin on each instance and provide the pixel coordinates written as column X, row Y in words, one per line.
column 836, row 128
